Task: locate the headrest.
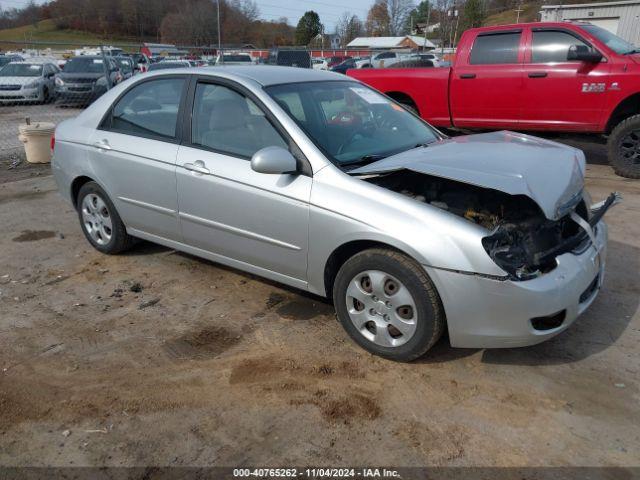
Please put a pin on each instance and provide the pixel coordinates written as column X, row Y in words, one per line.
column 228, row 114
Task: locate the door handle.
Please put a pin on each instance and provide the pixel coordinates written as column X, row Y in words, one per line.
column 102, row 145
column 537, row 74
column 467, row 76
column 197, row 166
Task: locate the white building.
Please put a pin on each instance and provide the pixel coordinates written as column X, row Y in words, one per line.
column 389, row 43
column 621, row 18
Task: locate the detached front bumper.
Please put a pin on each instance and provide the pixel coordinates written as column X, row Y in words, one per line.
column 486, row 313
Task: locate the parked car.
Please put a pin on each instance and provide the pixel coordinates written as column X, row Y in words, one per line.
column 86, row 78
column 318, row 63
column 7, row 59
column 322, row 183
column 432, row 57
column 336, row 60
column 386, row 59
column 126, row 65
column 167, row 64
column 557, row 77
column 234, row 59
column 28, row 82
column 344, row 66
column 351, row 63
column 141, row 61
column 289, row 58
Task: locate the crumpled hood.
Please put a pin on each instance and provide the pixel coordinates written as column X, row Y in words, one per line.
column 549, row 173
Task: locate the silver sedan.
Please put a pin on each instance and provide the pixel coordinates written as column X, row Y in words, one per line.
column 321, row 183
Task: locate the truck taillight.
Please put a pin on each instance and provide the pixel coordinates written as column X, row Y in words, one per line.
column 53, row 142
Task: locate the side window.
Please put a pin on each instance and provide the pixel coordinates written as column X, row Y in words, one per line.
column 227, row 121
column 495, row 48
column 552, row 46
column 149, row 109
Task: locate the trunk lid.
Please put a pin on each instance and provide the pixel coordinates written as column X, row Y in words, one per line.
column 549, row 173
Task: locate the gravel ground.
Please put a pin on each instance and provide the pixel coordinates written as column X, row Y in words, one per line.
column 159, row 358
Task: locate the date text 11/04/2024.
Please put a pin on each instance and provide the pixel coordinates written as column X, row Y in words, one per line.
column 315, row 473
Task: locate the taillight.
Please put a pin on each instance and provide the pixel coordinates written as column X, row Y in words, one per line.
column 53, row 142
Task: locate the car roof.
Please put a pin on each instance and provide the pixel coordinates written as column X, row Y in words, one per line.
column 267, row 75
column 32, row 62
column 516, row 26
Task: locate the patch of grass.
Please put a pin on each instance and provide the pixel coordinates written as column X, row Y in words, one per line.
column 530, row 13
column 46, row 31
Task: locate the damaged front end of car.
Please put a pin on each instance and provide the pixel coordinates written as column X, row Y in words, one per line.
column 521, row 240
column 525, row 249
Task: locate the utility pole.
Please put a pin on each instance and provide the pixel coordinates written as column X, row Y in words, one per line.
column 220, row 37
column 518, row 11
column 424, row 45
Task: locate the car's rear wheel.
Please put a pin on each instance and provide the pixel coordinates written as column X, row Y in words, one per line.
column 624, row 148
column 388, row 305
column 100, row 221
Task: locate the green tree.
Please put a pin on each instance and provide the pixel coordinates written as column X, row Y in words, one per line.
column 474, row 14
column 420, row 14
column 308, row 27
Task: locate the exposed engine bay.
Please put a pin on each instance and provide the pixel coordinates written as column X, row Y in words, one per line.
column 522, row 241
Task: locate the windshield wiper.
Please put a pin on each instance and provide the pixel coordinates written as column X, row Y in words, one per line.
column 632, row 51
column 364, row 160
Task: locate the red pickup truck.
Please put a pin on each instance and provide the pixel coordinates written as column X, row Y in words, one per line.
column 560, row 77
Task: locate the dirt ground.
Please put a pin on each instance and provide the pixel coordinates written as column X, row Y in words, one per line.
column 159, row 358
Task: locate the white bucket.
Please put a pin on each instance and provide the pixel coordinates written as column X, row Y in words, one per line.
column 37, row 141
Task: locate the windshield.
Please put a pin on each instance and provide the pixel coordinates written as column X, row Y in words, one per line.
column 84, row 65
column 21, row 70
column 612, row 41
column 350, row 122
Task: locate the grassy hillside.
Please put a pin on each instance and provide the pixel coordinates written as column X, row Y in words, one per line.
column 530, row 13
column 46, row 31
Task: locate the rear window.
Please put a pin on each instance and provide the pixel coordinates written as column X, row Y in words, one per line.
column 237, row 58
column 495, row 48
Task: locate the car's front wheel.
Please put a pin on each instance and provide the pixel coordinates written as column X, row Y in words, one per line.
column 100, row 221
column 388, row 305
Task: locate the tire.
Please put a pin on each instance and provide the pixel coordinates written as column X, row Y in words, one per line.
column 624, row 148
column 100, row 221
column 371, row 323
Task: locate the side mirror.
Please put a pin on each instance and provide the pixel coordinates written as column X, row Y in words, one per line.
column 582, row 53
column 274, row 160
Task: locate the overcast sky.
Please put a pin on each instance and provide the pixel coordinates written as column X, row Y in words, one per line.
column 329, row 10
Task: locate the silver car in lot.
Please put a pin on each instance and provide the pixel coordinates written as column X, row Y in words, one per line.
column 28, row 81
column 321, row 183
